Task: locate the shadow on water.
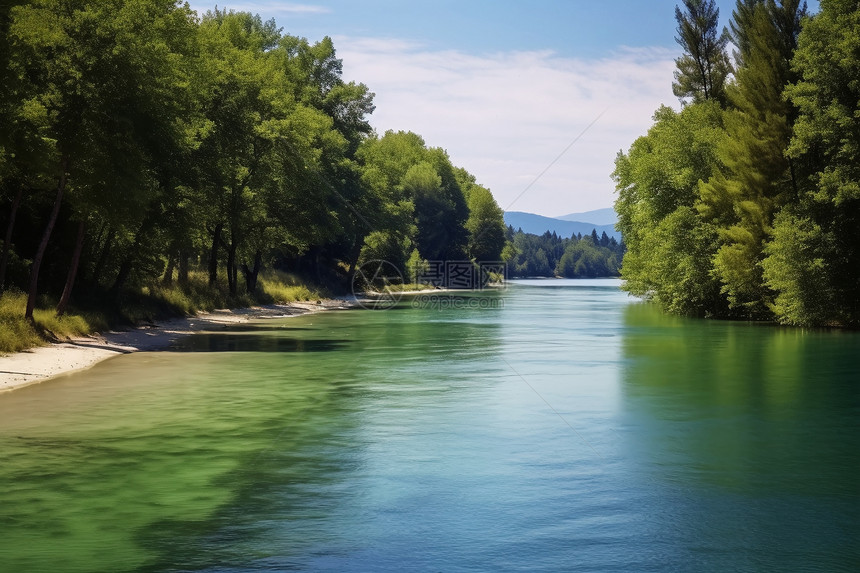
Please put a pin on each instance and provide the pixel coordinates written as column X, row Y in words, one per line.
column 244, row 327
column 270, row 341
column 748, row 427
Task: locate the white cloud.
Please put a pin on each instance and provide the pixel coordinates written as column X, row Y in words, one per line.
column 302, row 9
column 265, row 9
column 506, row 116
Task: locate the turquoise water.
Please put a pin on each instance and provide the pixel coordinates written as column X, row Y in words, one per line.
column 554, row 426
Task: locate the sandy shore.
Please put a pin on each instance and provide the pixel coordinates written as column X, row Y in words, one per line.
column 45, row 362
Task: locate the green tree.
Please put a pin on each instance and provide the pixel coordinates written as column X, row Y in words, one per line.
column 100, row 122
column 260, row 160
column 441, row 214
column 814, row 257
column 669, row 244
column 418, row 193
column 486, row 225
column 757, row 178
column 704, row 66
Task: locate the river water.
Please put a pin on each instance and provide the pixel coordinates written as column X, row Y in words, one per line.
column 553, row 426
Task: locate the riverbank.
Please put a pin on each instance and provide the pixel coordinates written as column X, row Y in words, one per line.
column 78, row 353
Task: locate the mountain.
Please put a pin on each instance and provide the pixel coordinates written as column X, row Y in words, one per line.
column 538, row 225
column 605, row 216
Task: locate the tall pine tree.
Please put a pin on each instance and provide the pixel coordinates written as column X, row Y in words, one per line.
column 702, row 70
column 758, row 178
column 814, row 257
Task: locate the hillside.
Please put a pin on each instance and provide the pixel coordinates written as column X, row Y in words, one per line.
column 538, row 225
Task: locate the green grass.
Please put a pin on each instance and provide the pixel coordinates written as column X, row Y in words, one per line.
column 408, row 287
column 279, row 288
column 17, row 333
column 146, row 304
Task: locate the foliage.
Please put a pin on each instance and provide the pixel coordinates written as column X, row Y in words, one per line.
column 704, row 66
column 188, row 152
column 669, row 245
column 814, row 257
column 549, row 255
column 756, row 178
column 753, row 211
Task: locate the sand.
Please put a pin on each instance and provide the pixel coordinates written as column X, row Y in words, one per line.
column 46, row 362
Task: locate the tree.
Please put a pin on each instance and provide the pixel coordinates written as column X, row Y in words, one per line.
column 417, row 193
column 100, row 122
column 757, row 178
column 486, row 226
column 670, row 246
column 814, row 257
column 704, row 66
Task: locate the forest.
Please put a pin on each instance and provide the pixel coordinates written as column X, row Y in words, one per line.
column 144, row 148
column 745, row 204
column 548, row 255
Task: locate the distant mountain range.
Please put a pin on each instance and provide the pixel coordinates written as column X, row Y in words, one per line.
column 606, row 216
column 567, row 225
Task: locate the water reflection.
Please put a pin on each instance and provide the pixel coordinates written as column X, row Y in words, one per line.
column 745, row 426
column 566, row 428
column 257, row 341
column 245, row 446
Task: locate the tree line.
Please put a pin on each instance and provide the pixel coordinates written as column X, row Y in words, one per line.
column 746, row 203
column 141, row 142
column 548, row 255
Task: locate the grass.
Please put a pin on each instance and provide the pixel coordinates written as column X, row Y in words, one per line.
column 281, row 288
column 17, row 333
column 409, row 287
column 146, row 304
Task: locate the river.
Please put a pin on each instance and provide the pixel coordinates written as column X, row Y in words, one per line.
column 556, row 425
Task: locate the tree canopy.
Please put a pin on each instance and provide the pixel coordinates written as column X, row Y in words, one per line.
column 748, row 207
column 704, row 65
column 138, row 140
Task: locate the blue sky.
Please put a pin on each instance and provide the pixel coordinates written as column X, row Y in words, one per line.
column 505, row 87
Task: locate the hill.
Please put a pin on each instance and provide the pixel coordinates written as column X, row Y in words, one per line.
column 538, row 225
column 606, row 216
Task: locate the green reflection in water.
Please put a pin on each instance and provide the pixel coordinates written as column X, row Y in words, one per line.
column 229, row 450
column 415, row 439
column 754, row 428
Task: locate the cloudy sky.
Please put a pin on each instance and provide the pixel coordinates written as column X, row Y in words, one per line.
column 534, row 98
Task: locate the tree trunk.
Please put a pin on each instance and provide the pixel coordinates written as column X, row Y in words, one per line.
column 213, row 254
column 128, row 262
column 122, row 275
column 252, row 274
column 43, row 245
column 95, row 245
column 353, row 261
column 182, row 276
column 73, row 270
column 231, row 268
column 97, row 270
column 7, row 243
column 167, row 279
